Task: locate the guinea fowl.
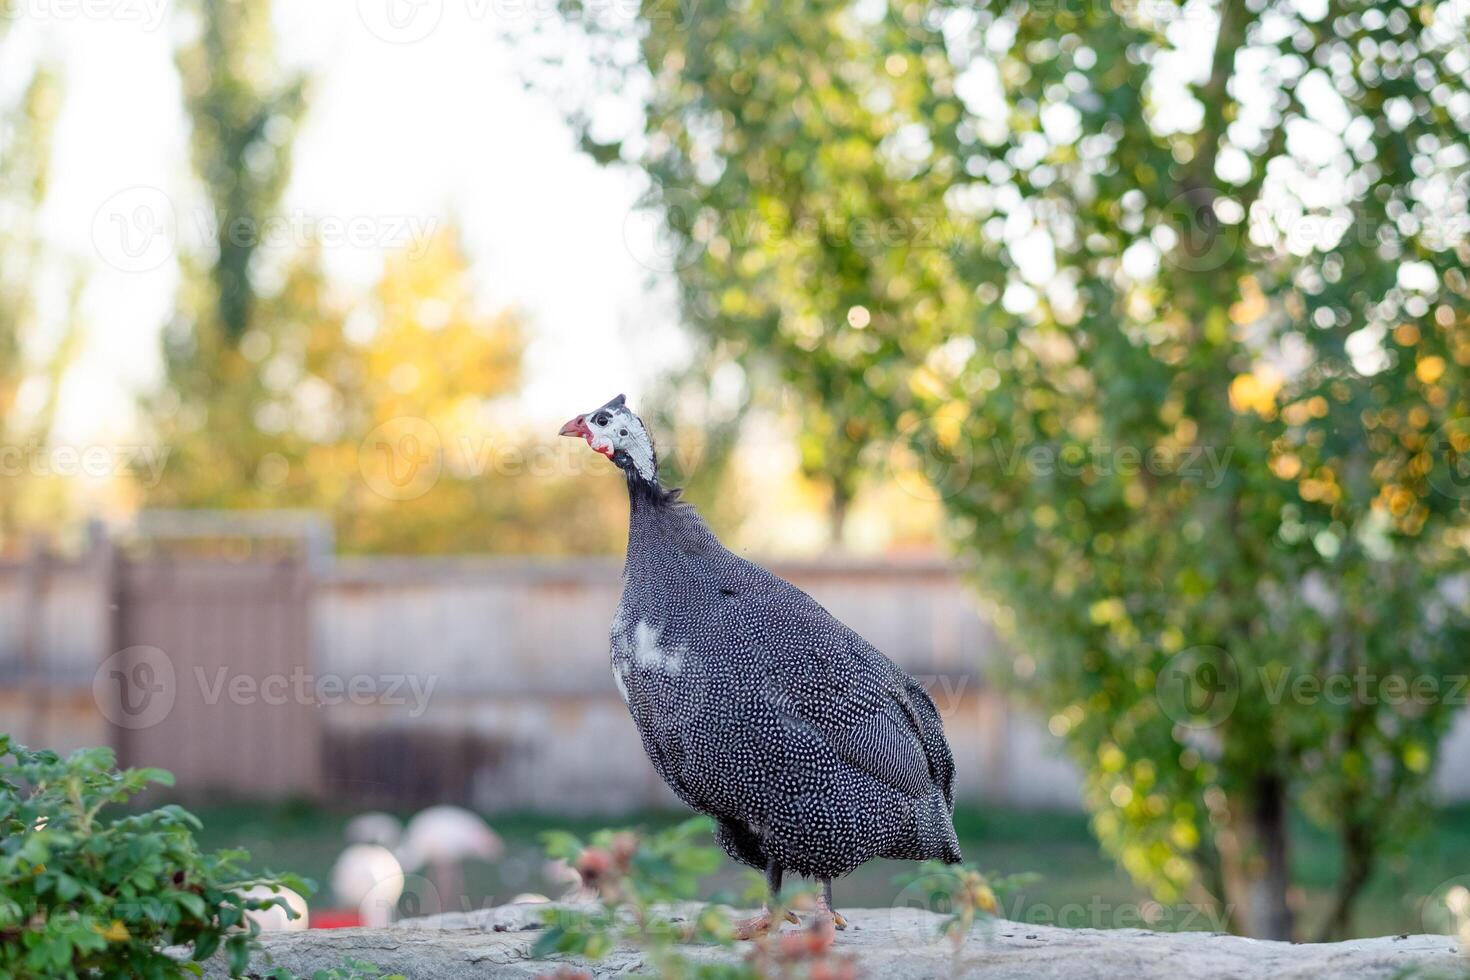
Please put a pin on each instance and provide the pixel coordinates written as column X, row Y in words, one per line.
column 812, row 751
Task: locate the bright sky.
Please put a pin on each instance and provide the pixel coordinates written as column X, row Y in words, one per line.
column 417, row 113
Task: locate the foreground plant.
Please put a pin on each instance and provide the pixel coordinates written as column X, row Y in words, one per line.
column 83, row 893
column 637, row 877
column 961, row 894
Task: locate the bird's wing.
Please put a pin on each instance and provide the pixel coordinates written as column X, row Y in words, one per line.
column 821, row 675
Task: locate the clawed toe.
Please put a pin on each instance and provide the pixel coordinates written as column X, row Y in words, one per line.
column 826, row 917
column 756, row 925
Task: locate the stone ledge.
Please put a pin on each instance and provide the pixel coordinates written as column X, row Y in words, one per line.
column 897, row 943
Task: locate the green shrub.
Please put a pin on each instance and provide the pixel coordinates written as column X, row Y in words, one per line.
column 88, row 894
column 639, row 877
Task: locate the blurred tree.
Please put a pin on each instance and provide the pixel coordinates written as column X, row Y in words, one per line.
column 378, row 411
column 1169, row 303
column 242, row 121
column 25, row 164
column 242, row 116
column 373, row 410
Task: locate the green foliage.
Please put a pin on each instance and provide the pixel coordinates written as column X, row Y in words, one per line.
column 83, row 893
column 640, row 878
column 370, row 407
column 243, row 116
column 1170, row 308
column 960, row 894
column 632, row 873
column 27, row 355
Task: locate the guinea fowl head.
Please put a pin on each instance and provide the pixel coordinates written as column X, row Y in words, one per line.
column 618, row 434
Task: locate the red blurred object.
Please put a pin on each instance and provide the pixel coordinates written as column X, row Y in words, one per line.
column 335, row 919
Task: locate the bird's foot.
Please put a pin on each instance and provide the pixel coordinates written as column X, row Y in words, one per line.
column 826, row 917
column 829, row 916
column 761, row 923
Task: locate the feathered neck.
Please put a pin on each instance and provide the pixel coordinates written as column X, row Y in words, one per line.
column 643, row 492
column 660, row 523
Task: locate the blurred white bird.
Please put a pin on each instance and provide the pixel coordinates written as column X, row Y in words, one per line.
column 274, row 919
column 440, row 839
column 530, row 898
column 382, row 829
column 558, row 872
column 369, row 878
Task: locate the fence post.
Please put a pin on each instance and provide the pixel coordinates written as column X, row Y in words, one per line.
column 102, row 566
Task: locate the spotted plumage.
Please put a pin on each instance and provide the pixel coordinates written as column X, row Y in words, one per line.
column 813, row 752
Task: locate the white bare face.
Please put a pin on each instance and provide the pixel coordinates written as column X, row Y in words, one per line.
column 614, row 428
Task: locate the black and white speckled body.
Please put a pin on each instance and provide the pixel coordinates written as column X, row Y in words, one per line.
column 812, row 750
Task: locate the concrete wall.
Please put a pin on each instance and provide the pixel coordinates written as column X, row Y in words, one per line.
column 483, row 681
column 515, row 654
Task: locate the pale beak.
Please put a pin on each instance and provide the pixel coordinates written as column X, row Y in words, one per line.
column 577, row 427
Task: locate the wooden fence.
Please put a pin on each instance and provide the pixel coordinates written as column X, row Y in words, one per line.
column 256, row 665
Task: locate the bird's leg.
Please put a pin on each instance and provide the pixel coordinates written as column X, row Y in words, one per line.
column 825, row 911
column 761, row 923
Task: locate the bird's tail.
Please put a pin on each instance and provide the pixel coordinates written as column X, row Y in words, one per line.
column 936, row 827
